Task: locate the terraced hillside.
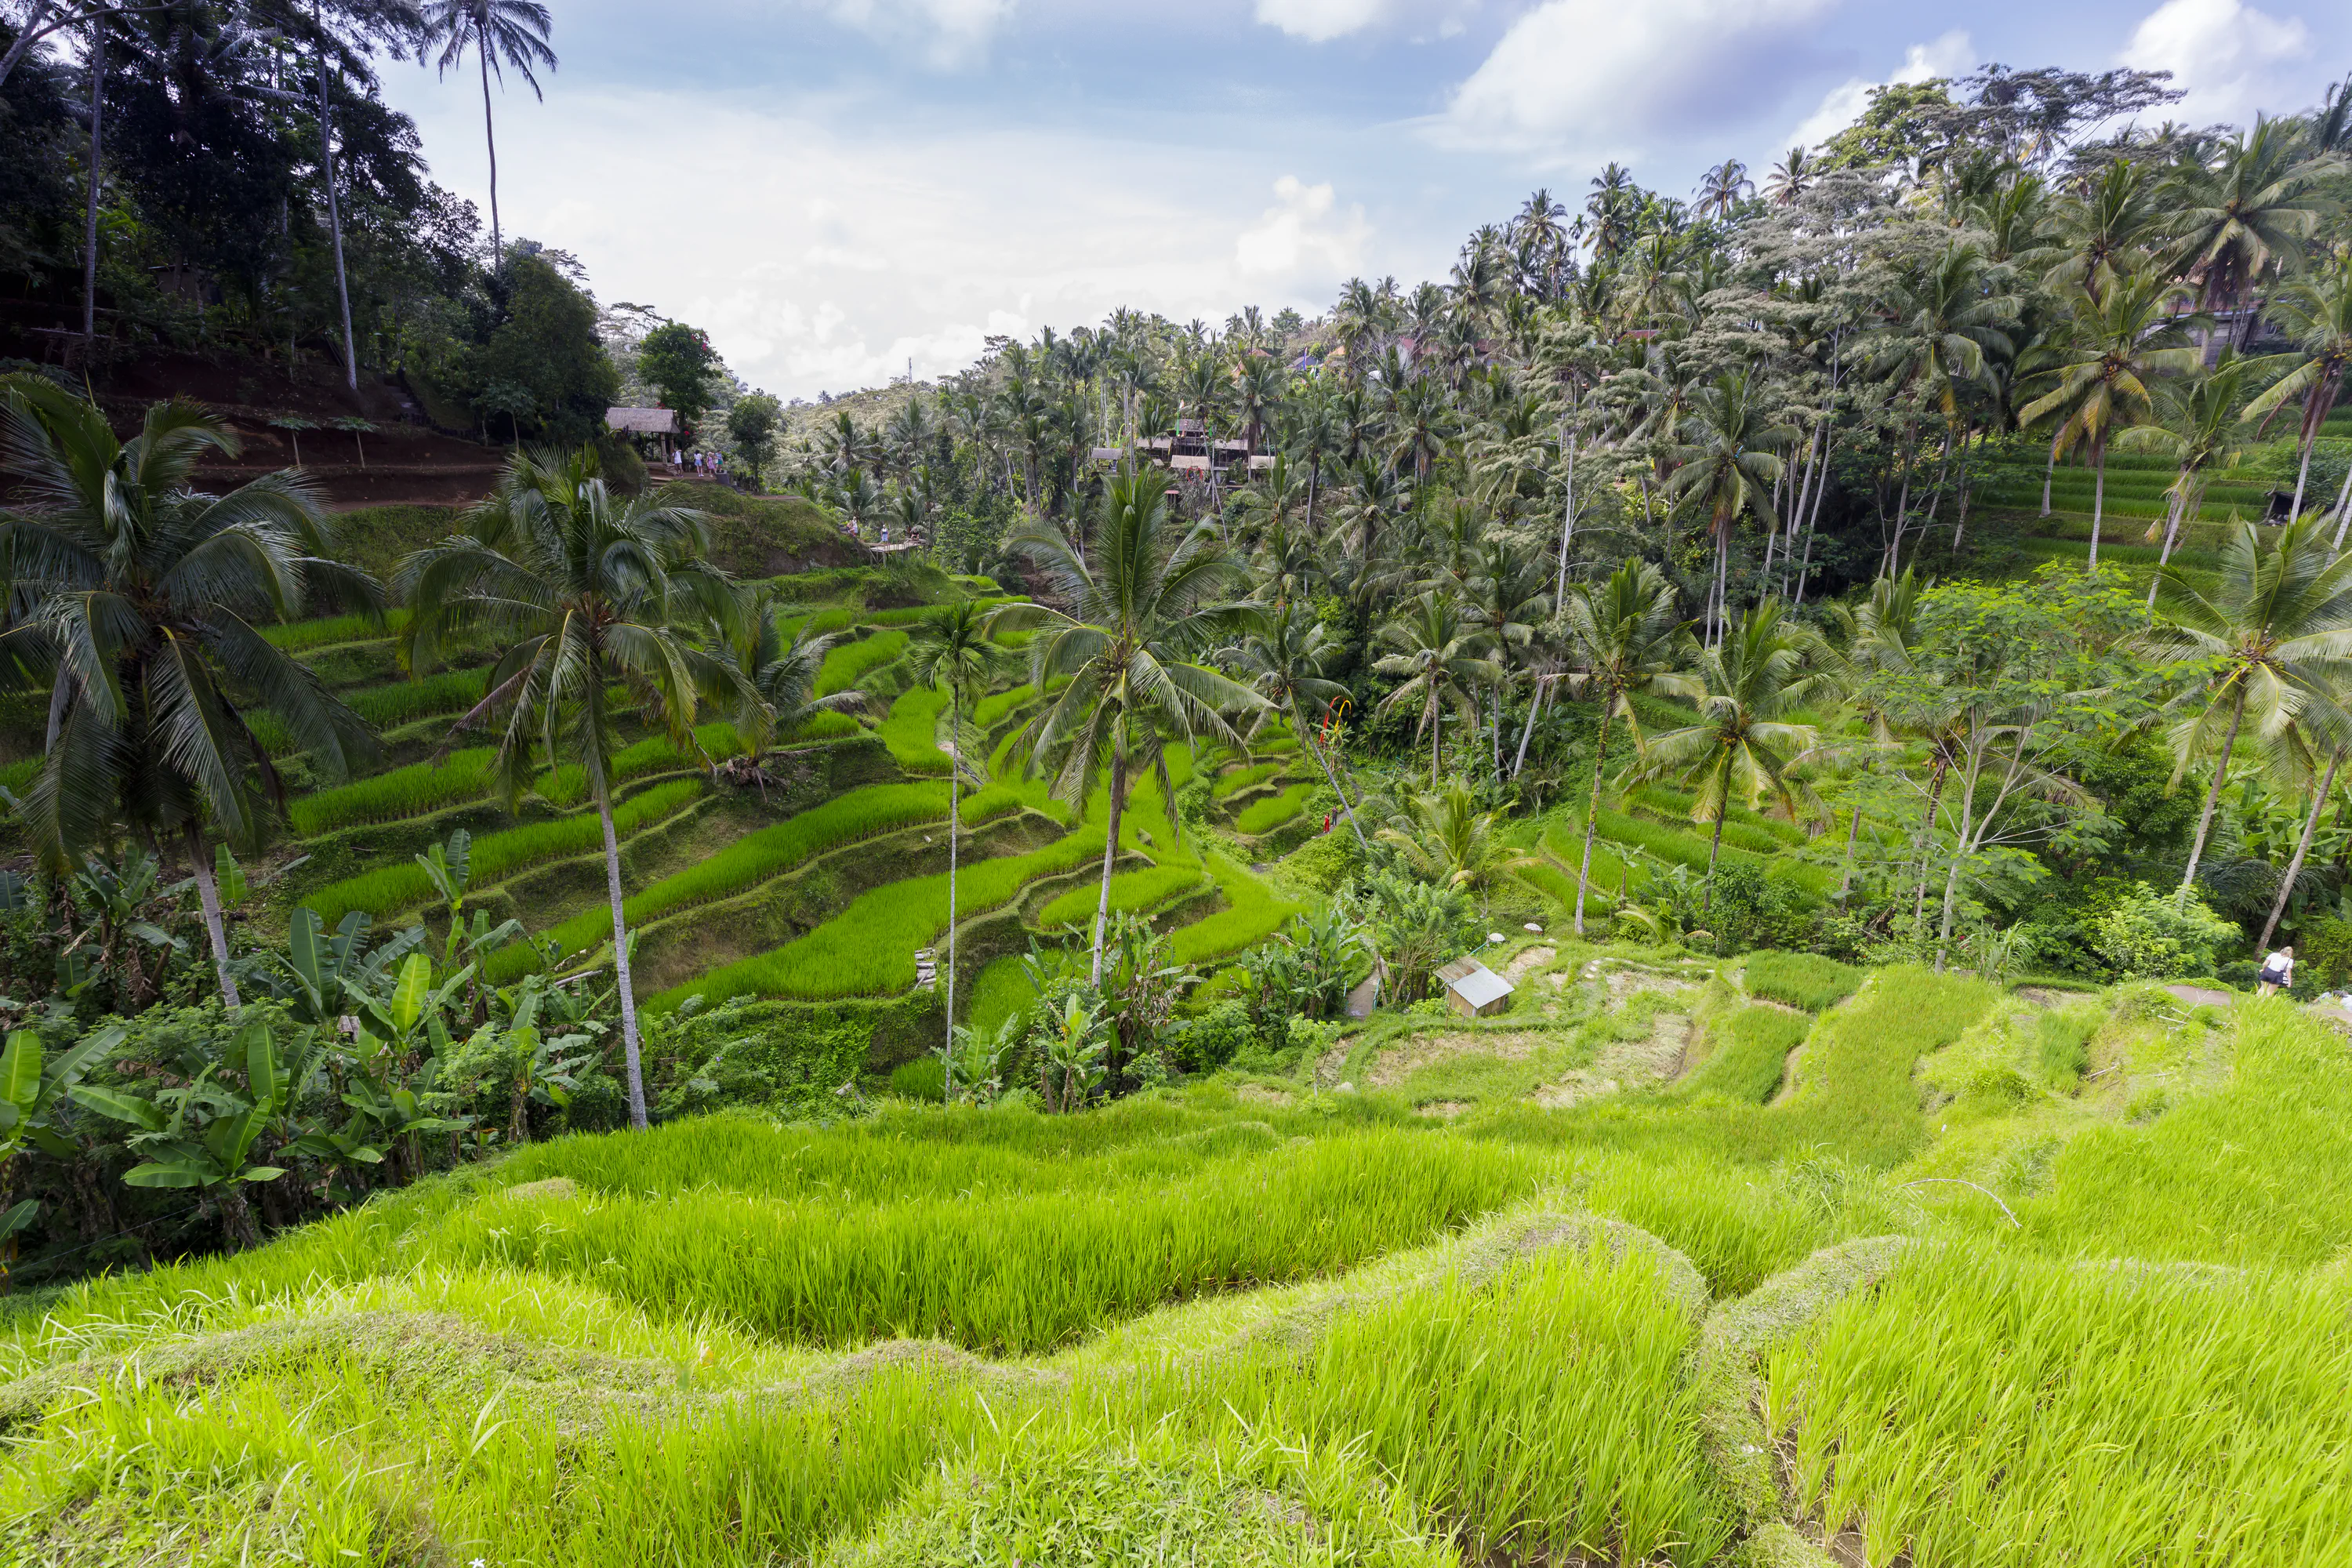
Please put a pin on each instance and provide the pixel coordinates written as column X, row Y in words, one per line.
column 1677, row 1262
column 822, row 885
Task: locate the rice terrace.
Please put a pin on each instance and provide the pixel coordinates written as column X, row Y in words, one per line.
column 1681, row 896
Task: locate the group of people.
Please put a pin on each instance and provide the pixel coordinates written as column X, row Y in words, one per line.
column 707, row 465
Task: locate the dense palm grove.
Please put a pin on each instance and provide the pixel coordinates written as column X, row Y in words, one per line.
column 1626, row 582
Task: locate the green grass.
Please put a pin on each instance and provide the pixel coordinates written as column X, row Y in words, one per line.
column 1693, row 848
column 848, row 664
column 770, row 852
column 1803, row 980
column 568, row 786
column 1751, row 1055
column 390, row 889
column 999, row 992
column 1253, row 913
column 412, row 791
column 911, row 732
column 1265, row 816
column 1233, row 784
column 297, row 636
column 452, row 691
column 868, row 950
column 1990, row 1411
column 1130, row 891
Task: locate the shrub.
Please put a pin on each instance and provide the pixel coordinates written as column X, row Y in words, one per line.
column 1801, row 979
column 924, row 1078
column 1750, row 909
column 1216, row 1036
column 2147, row 935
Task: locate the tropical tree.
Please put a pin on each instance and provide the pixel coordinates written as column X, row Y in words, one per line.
column 2195, row 423
column 583, row 593
column 2317, row 312
column 1283, row 659
column 502, row 34
column 1624, row 636
column 1147, row 598
column 140, row 600
column 2240, row 220
column 1744, row 747
column 2271, row 640
column 951, row 651
column 2119, row 342
column 780, row 696
column 1728, row 466
column 31, row 1088
column 1438, row 664
column 1446, row 838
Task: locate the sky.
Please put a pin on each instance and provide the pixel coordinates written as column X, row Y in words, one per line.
column 840, row 190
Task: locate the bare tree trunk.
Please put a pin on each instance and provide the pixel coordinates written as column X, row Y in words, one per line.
column 635, row 1067
column 1845, row 879
column 1111, row 852
column 2098, row 496
column 2171, row 531
column 89, row 213
column 25, row 36
column 1927, row 842
column 334, row 207
column 1307, row 741
column 2213, row 795
column 1526, row 731
column 491, row 139
column 208, row 897
column 2343, row 508
column 1961, row 528
column 1714, row 849
column 2302, row 848
column 1592, row 817
column 955, row 825
column 2049, row 473
column 236, row 1218
column 1568, row 517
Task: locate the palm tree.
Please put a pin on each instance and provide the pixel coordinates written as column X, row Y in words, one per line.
column 1624, row 637
column 2239, row 222
column 2322, row 729
column 2275, row 635
column 1446, row 839
column 2100, row 237
column 1284, row 658
column 502, row 33
column 140, row 600
column 1730, row 467
column 2120, row 343
column 780, row 695
column 1145, row 602
column 2196, row 424
column 2318, row 311
column 1720, row 192
column 580, row 591
column 1505, row 598
column 951, row 650
column 1438, row 664
column 1743, row 746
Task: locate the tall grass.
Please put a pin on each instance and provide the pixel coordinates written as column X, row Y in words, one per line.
column 452, row 691
column 568, row 786
column 847, row 664
column 1251, row 913
column 1265, row 816
column 911, row 732
column 1147, row 889
column 770, row 852
column 412, row 791
column 390, row 889
column 1985, row 1409
column 301, row 634
column 1240, row 779
column 1751, row 1054
column 868, row 949
column 1803, row 980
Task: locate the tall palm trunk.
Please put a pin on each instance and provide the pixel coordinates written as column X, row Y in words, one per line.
column 89, row 209
column 1305, row 739
column 1714, row 850
column 1845, row 878
column 1927, row 840
column 1526, row 731
column 1567, row 514
column 2172, row 515
column 1436, row 728
column 637, row 1079
column 38, row 14
column 2050, row 472
column 490, row 138
column 208, row 897
column 2302, row 848
column 334, row 209
column 955, row 826
column 1592, row 814
column 2342, row 510
column 2098, row 493
column 2213, row 795
column 1110, row 853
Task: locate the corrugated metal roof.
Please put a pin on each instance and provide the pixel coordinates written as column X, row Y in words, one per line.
column 1480, row 987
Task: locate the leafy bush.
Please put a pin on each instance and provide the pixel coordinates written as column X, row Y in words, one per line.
column 1213, row 1038
column 1749, row 909
column 2147, row 935
column 1801, row 979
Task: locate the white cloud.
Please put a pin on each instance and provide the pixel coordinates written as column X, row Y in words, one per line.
column 1303, row 233
column 1321, row 21
column 1949, row 55
column 946, row 34
column 2228, row 56
column 1594, row 77
column 823, row 253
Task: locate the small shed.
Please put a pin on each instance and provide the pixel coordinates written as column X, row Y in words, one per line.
column 660, row 423
column 1473, row 990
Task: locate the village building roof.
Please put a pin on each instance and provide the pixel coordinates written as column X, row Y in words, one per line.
column 643, row 421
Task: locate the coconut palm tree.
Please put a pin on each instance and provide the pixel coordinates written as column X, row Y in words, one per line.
column 2239, row 222
column 1728, row 464
column 2317, row 310
column 2195, row 423
column 1446, row 839
column 582, row 592
column 1438, row 664
column 1622, row 635
column 1147, row 599
column 502, row 34
column 951, row 651
column 1285, row 658
column 2119, row 342
column 1743, row 747
column 2274, row 638
column 2101, row 236
column 2323, row 730
column 1504, row 596
column 138, row 599
column 781, row 672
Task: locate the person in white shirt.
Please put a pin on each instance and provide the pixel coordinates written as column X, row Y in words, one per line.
column 2278, row 970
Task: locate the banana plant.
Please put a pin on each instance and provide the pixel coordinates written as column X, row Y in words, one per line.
column 450, row 868
column 119, row 906
column 29, row 1088
column 202, row 1135
column 402, row 1041
column 531, row 1063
